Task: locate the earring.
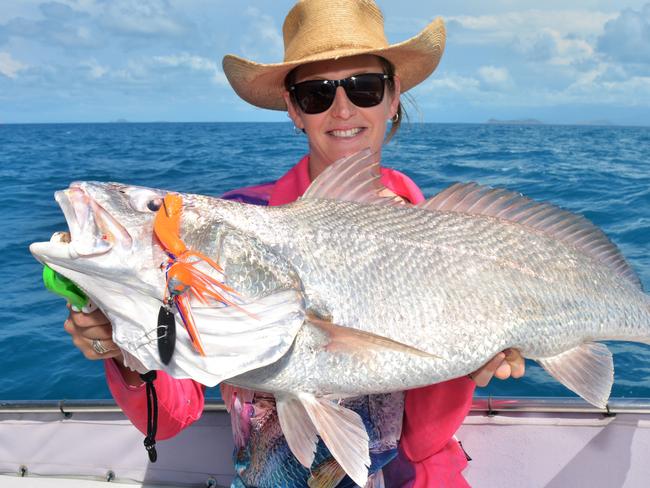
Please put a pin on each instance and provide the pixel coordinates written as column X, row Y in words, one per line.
column 395, row 118
column 296, row 130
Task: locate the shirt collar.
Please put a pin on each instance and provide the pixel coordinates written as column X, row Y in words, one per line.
column 296, row 181
column 292, row 185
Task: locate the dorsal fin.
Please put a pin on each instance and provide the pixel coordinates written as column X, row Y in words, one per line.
column 555, row 222
column 355, row 178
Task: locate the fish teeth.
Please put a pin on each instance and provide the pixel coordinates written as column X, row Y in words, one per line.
column 60, row 236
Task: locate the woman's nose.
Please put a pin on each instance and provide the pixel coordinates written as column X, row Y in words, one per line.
column 342, row 107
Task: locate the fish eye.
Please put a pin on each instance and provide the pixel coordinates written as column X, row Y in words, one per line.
column 144, row 200
column 155, row 204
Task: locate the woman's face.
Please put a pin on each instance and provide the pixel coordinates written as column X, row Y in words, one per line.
column 344, row 128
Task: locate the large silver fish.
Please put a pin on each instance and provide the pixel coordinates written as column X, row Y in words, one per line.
column 350, row 291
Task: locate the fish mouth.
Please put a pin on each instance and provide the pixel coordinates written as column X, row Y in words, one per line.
column 92, row 230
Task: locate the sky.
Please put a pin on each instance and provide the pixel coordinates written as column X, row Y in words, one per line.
column 160, row 60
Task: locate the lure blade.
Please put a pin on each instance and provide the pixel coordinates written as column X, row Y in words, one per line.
column 166, row 334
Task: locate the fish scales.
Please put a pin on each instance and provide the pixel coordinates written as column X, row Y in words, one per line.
column 461, row 287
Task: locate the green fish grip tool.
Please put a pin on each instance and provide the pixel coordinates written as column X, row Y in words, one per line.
column 64, row 287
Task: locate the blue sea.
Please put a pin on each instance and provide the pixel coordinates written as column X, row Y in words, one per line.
column 601, row 172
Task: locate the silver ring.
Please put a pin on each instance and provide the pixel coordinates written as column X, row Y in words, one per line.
column 98, row 347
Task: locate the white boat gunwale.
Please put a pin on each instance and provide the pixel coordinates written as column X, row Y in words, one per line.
column 490, row 405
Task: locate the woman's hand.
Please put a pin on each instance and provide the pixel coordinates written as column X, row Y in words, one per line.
column 92, row 334
column 86, row 328
column 506, row 364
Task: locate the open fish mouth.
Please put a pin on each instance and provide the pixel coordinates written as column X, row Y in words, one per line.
column 92, row 230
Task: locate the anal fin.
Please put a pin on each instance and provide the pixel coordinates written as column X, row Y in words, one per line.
column 587, row 370
column 342, row 430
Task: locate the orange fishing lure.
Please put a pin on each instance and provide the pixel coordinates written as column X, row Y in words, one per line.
column 184, row 279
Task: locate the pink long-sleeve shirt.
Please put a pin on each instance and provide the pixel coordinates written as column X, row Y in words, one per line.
column 431, row 414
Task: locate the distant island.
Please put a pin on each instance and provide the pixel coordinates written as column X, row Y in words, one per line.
column 603, row 122
column 515, row 122
column 599, row 122
column 120, row 121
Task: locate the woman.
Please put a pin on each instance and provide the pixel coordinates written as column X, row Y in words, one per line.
column 340, row 83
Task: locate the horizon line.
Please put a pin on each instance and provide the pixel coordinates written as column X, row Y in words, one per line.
column 515, row 122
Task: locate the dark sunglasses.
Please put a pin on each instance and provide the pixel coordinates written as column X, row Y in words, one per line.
column 316, row 96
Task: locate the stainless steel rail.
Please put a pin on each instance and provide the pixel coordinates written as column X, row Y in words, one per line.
column 558, row 404
column 76, row 406
column 489, row 405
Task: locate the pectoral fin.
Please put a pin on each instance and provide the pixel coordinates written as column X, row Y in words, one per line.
column 347, row 339
column 341, row 429
column 588, row 370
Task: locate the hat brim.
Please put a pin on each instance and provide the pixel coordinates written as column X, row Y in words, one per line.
column 262, row 85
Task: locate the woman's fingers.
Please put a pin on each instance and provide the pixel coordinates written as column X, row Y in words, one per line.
column 506, row 364
column 92, row 334
column 81, row 319
column 503, row 371
column 483, row 375
column 516, row 362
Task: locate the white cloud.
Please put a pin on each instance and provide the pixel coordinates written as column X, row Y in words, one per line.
column 605, row 85
column 597, row 86
column 142, row 17
column 9, row 66
column 195, row 63
column 504, row 27
column 551, row 46
column 263, row 42
column 627, row 37
column 450, row 82
column 95, row 70
column 495, row 77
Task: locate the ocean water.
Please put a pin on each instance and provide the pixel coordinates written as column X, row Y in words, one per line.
column 601, row 172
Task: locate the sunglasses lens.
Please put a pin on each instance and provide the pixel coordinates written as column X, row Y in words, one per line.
column 365, row 90
column 315, row 96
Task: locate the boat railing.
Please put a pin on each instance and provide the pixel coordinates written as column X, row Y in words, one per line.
column 490, row 405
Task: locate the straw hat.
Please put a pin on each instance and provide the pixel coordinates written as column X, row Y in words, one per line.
column 315, row 30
